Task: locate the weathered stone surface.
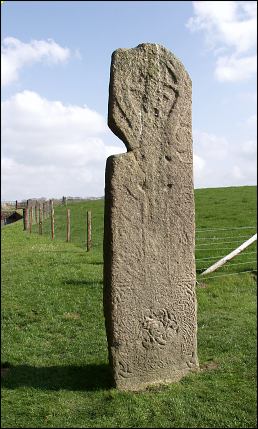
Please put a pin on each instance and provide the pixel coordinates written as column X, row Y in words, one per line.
column 149, row 263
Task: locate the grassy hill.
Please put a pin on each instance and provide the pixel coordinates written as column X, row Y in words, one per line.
column 54, row 350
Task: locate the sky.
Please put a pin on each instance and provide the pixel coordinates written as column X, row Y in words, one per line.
column 55, row 68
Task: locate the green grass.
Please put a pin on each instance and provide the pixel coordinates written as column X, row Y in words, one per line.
column 225, row 208
column 54, row 340
column 78, row 223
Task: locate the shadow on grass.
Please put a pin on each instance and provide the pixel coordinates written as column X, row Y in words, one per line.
column 82, row 378
column 68, row 252
column 96, row 263
column 76, row 282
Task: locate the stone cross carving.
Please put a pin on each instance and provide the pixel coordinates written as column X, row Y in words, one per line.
column 149, row 262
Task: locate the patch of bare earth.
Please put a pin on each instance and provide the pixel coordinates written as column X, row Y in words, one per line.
column 208, row 366
column 4, row 370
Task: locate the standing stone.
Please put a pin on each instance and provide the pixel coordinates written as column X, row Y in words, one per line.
column 149, row 262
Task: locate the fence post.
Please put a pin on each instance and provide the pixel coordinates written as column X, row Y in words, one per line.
column 68, row 230
column 30, row 211
column 89, row 243
column 43, row 212
column 40, row 219
column 36, row 212
column 52, row 221
column 16, row 205
column 25, row 219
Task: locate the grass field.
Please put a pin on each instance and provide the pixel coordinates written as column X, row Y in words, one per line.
column 54, row 350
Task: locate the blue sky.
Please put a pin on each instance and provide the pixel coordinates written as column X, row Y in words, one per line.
column 55, row 75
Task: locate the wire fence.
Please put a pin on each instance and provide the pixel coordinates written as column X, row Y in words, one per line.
column 212, row 244
column 68, row 224
column 16, row 205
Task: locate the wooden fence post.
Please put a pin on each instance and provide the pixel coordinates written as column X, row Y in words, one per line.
column 30, row 211
column 36, row 212
column 43, row 211
column 52, row 221
column 68, row 230
column 16, row 205
column 25, row 219
column 89, row 243
column 32, row 215
column 40, row 219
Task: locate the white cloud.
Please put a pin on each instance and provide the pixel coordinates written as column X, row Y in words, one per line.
column 237, row 173
column 27, row 110
column 219, row 162
column 245, row 174
column 52, row 149
column 210, row 145
column 233, row 69
column 249, row 149
column 199, row 163
column 252, row 121
column 15, row 55
column 230, row 28
column 230, row 23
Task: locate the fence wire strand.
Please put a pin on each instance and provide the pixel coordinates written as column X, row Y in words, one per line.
column 228, row 274
column 222, row 256
column 212, row 243
column 230, row 264
column 225, row 229
column 223, row 242
column 222, row 238
column 218, row 248
column 209, row 240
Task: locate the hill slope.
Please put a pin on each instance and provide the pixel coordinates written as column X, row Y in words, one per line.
column 54, row 341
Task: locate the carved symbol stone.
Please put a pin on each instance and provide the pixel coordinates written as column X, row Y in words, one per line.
column 149, row 264
column 158, row 328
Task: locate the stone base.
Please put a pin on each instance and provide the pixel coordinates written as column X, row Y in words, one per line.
column 161, row 378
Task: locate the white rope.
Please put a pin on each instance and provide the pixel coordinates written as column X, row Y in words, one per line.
column 230, row 274
column 221, row 256
column 225, row 229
